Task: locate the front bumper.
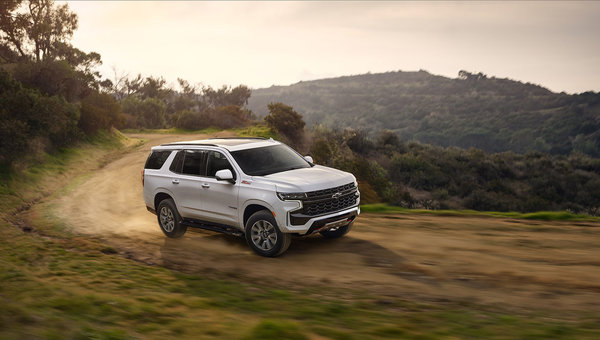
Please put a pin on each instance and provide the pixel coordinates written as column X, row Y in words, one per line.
column 310, row 225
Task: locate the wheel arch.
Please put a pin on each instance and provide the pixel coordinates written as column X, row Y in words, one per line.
column 159, row 197
column 251, row 209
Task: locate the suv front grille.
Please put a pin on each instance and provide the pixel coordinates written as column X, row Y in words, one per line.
column 330, row 191
column 322, row 201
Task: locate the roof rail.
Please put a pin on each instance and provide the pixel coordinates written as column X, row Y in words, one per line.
column 177, row 144
column 262, row 138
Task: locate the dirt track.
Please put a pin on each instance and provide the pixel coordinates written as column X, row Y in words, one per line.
column 505, row 263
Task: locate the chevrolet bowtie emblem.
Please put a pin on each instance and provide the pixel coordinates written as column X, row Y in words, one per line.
column 336, row 195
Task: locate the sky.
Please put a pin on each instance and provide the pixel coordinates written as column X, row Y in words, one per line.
column 554, row 44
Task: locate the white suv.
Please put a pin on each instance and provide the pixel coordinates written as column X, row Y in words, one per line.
column 259, row 188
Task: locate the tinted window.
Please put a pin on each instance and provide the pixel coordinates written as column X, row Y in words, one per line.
column 193, row 162
column 269, row 160
column 216, row 161
column 177, row 163
column 157, row 159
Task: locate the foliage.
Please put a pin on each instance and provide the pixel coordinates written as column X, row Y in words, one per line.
column 59, row 285
column 148, row 113
column 33, row 29
column 283, row 119
column 229, row 116
column 40, row 30
column 383, row 208
column 414, row 175
column 99, row 111
column 50, row 99
column 190, row 120
column 53, row 78
column 276, row 330
column 474, row 110
column 30, row 121
column 255, row 130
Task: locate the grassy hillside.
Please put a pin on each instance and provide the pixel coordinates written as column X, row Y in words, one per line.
column 473, row 110
column 57, row 284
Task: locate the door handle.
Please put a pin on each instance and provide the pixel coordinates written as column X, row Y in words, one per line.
column 206, row 185
column 175, row 181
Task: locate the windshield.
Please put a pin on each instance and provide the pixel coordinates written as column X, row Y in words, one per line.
column 269, row 160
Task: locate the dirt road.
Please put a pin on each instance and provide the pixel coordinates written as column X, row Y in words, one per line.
column 499, row 262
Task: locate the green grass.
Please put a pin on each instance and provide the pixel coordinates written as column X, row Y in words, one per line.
column 540, row 215
column 59, row 285
column 255, row 131
column 173, row 131
column 258, row 130
column 37, row 177
column 68, row 288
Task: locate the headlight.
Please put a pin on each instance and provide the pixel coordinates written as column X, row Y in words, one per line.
column 286, row 196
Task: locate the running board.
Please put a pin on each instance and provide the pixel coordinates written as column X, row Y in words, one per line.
column 213, row 227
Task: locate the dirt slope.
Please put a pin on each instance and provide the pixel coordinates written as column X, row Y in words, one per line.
column 500, row 262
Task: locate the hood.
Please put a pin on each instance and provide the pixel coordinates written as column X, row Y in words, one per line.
column 309, row 179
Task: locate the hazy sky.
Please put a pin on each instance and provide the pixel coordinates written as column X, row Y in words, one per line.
column 554, row 44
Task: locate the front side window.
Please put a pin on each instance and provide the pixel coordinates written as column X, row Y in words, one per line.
column 269, row 160
column 216, row 161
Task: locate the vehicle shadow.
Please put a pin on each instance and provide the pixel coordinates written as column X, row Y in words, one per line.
column 204, row 251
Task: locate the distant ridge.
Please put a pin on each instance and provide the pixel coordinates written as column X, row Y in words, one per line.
column 472, row 110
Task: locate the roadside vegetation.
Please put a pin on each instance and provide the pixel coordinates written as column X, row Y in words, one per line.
column 57, row 124
column 420, row 176
column 538, row 215
column 56, row 284
column 51, row 98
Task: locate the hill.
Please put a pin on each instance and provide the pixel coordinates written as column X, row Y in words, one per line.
column 473, row 110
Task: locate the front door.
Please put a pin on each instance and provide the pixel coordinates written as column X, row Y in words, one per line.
column 219, row 198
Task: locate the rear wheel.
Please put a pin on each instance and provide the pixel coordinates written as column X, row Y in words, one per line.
column 263, row 235
column 337, row 232
column 169, row 219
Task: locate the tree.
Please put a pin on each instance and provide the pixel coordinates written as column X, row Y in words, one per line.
column 149, row 113
column 99, row 111
column 154, row 88
column 285, row 120
column 36, row 29
column 187, row 98
column 230, row 116
column 226, row 96
column 30, row 121
column 39, row 31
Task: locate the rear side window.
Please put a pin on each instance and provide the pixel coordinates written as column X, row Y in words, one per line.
column 193, row 162
column 177, row 163
column 156, row 159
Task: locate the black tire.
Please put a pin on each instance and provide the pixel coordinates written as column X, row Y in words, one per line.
column 338, row 232
column 169, row 219
column 263, row 235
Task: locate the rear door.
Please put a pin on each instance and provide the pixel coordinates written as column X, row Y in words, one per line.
column 188, row 168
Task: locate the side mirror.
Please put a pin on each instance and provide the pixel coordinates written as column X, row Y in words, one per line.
column 309, row 159
column 224, row 175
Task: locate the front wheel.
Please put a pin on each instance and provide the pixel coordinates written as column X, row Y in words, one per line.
column 169, row 219
column 263, row 235
column 337, row 232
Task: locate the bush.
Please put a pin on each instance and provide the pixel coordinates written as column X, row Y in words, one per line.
column 149, row 113
column 283, row 119
column 26, row 116
column 191, row 120
column 99, row 111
